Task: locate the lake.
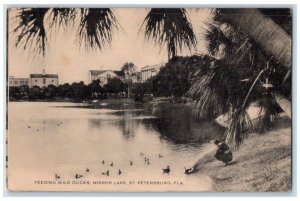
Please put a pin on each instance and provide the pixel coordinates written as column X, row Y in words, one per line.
column 48, row 138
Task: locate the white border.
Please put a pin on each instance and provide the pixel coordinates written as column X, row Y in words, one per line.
column 137, row 3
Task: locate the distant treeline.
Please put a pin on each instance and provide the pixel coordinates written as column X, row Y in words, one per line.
column 76, row 91
column 173, row 80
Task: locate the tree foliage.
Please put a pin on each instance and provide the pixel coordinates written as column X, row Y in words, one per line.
column 170, row 26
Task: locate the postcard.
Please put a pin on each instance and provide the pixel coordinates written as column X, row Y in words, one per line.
column 149, row 99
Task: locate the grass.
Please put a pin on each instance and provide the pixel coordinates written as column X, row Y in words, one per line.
column 262, row 164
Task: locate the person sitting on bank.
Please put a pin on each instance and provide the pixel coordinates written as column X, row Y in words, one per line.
column 223, row 153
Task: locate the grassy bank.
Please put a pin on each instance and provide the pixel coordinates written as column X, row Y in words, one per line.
column 263, row 163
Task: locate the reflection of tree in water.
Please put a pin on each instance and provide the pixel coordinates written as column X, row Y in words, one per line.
column 126, row 123
column 178, row 125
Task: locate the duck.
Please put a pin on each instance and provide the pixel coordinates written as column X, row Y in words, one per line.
column 106, row 173
column 145, row 159
column 112, row 164
column 77, row 176
column 131, row 163
column 148, row 162
column 87, row 170
column 160, row 156
column 142, row 154
column 57, row 177
column 119, row 172
column 189, row 170
column 166, row 170
column 103, row 162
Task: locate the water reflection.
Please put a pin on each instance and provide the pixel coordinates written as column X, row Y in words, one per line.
column 175, row 124
column 72, row 137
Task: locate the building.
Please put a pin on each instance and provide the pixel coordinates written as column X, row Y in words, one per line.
column 137, row 77
column 150, row 71
column 17, row 82
column 43, row 80
column 104, row 75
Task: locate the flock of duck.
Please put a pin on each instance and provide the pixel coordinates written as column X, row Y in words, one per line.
column 37, row 130
column 166, row 170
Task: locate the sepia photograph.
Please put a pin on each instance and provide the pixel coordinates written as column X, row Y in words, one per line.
column 150, row 99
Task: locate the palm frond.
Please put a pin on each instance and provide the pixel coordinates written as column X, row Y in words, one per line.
column 239, row 125
column 62, row 16
column 215, row 90
column 96, row 27
column 170, row 26
column 269, row 112
column 30, row 24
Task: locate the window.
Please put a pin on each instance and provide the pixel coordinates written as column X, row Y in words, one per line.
column 52, row 80
column 35, row 80
column 44, row 81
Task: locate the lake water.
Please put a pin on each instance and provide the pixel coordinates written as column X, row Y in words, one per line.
column 45, row 139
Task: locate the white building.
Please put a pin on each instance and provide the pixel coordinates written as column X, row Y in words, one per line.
column 43, row 80
column 17, row 82
column 104, row 75
column 150, row 71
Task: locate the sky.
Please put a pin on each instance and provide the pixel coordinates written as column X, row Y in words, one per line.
column 72, row 63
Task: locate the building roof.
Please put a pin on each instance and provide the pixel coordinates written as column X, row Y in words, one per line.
column 153, row 66
column 43, row 76
column 17, row 78
column 99, row 72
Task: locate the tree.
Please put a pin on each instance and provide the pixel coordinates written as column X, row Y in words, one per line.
column 94, row 30
column 24, row 90
column 79, row 90
column 274, row 40
column 251, row 63
column 35, row 92
column 170, row 26
column 129, row 70
column 94, row 88
column 50, row 91
column 14, row 92
column 114, row 85
column 175, row 78
column 64, row 90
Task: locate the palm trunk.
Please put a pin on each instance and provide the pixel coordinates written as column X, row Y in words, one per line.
column 269, row 35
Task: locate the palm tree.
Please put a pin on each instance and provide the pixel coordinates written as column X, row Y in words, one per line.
column 242, row 62
column 170, row 26
column 95, row 28
column 274, row 39
column 129, row 70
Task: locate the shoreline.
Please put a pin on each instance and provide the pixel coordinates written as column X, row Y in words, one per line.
column 267, row 169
